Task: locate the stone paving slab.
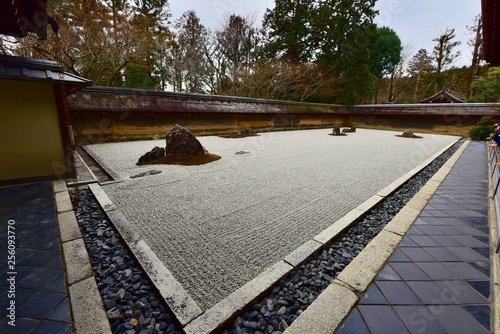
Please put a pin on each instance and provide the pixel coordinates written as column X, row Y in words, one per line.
column 36, row 291
column 218, row 226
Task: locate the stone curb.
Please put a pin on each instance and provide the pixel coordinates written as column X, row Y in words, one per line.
column 111, row 172
column 214, row 318
column 180, row 302
column 88, row 312
column 359, row 274
column 87, row 309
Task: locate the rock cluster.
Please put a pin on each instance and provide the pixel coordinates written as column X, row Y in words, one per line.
column 349, row 129
column 180, row 142
column 336, row 131
column 246, row 132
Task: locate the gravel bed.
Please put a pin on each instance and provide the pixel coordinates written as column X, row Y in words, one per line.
column 248, row 211
column 134, row 306
column 275, row 312
column 132, row 303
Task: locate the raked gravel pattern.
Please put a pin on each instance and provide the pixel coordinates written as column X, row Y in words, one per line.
column 217, row 226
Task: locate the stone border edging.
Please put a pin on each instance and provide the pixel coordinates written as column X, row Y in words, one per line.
column 111, row 172
column 87, row 309
column 357, row 276
column 180, row 302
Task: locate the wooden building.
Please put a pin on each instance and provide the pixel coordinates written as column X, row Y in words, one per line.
column 444, row 96
column 35, row 136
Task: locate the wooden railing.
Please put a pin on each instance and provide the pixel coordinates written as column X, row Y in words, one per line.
column 494, row 158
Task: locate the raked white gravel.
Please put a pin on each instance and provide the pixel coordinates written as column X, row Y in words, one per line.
column 218, row 225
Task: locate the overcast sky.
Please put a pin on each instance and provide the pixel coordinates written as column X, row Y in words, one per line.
column 416, row 22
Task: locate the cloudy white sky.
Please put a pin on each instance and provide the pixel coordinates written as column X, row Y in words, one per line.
column 416, row 22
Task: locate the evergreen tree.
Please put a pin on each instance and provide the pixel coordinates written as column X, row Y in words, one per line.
column 487, row 89
column 188, row 64
column 288, row 31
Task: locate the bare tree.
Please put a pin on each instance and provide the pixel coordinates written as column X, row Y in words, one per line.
column 238, row 44
column 396, row 79
column 288, row 80
column 443, row 55
column 476, row 43
column 99, row 40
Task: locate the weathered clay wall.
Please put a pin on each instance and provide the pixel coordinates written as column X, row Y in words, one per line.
column 109, row 114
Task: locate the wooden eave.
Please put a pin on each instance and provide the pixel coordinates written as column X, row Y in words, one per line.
column 20, row 68
column 18, row 18
column 491, row 31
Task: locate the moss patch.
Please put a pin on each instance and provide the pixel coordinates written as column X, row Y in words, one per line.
column 193, row 160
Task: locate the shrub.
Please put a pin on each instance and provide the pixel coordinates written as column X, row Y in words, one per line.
column 483, row 129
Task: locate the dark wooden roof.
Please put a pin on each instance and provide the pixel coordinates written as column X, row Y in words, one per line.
column 491, row 31
column 20, row 68
column 444, row 96
column 18, row 18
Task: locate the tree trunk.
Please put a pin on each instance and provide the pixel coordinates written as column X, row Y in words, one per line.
column 475, row 57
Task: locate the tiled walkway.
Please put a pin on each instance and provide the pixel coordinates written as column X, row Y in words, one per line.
column 438, row 279
column 39, row 290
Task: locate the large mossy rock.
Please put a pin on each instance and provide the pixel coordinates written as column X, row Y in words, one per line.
column 181, row 142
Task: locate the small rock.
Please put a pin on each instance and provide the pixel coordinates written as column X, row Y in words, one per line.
column 269, row 304
column 113, row 313
column 283, row 326
column 408, row 134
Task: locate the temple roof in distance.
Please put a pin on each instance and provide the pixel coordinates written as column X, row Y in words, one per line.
column 444, row 96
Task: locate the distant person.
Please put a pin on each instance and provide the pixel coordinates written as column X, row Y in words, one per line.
column 495, row 138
